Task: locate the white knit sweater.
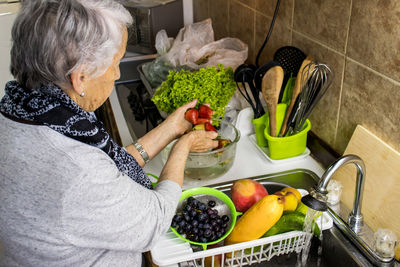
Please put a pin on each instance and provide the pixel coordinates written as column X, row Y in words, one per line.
column 64, row 203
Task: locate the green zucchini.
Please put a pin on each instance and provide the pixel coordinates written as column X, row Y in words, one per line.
column 290, row 221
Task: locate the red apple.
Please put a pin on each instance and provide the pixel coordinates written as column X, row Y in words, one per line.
column 246, row 192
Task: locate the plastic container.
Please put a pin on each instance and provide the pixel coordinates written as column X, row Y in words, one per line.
column 290, row 146
column 259, row 126
column 224, row 205
column 280, row 147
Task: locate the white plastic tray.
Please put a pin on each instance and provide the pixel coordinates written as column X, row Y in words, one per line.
column 265, row 152
column 170, row 250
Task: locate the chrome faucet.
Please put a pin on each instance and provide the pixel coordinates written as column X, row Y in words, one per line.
column 355, row 230
column 355, row 217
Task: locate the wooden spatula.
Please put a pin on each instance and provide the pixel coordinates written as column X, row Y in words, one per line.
column 296, row 91
column 271, row 86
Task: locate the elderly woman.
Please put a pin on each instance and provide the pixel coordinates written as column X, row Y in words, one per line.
column 70, row 196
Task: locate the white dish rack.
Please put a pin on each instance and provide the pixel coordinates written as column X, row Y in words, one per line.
column 173, row 251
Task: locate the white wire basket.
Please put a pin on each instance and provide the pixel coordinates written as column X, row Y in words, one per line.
column 173, row 251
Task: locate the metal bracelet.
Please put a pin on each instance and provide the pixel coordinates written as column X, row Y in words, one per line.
column 142, row 152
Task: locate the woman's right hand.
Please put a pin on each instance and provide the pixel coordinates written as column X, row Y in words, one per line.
column 194, row 141
column 199, row 140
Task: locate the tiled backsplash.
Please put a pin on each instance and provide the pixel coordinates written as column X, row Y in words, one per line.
column 358, row 39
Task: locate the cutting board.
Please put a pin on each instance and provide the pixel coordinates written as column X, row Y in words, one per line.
column 381, row 201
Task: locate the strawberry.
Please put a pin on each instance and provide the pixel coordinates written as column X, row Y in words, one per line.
column 203, row 120
column 192, row 116
column 205, row 112
column 208, row 126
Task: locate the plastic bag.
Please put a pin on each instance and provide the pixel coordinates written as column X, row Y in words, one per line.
column 194, row 48
column 146, row 3
column 228, row 51
column 191, row 37
column 163, row 43
column 156, row 71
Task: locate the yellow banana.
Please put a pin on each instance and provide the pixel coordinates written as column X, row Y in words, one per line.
column 257, row 220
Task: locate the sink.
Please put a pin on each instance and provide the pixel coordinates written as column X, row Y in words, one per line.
column 297, row 178
column 337, row 250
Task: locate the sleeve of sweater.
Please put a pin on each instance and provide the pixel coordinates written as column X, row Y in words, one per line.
column 106, row 209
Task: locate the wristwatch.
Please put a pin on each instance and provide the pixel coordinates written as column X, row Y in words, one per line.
column 142, row 152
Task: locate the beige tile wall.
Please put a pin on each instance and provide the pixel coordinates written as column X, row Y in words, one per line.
column 358, row 39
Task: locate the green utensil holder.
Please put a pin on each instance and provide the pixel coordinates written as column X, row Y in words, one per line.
column 261, row 123
column 289, row 146
column 280, row 147
column 259, row 126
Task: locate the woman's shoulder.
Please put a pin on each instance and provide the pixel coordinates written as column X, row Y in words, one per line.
column 42, row 145
column 88, row 158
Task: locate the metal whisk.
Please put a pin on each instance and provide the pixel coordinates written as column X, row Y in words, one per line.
column 316, row 79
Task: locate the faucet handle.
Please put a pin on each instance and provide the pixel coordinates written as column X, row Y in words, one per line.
column 385, row 242
column 334, row 192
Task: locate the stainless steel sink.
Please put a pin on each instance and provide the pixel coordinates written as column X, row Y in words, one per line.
column 337, row 250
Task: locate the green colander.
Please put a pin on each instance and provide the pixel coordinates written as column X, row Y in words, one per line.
column 224, row 205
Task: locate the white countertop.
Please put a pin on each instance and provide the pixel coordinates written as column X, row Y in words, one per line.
column 249, row 161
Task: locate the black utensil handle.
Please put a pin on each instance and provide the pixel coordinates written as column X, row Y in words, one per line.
column 292, row 117
column 248, row 99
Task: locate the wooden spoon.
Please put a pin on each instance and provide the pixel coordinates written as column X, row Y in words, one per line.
column 296, row 91
column 271, row 86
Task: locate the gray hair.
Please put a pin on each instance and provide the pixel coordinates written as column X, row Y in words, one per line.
column 52, row 38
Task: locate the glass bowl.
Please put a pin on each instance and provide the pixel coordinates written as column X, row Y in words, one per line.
column 210, row 164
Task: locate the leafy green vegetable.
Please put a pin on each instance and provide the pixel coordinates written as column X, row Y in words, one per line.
column 211, row 85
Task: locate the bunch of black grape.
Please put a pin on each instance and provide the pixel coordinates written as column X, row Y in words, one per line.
column 199, row 222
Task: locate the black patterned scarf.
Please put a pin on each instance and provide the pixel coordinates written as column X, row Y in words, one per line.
column 50, row 106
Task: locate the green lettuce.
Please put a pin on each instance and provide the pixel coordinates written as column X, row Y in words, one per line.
column 211, row 85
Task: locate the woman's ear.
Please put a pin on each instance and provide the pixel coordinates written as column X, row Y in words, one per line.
column 77, row 80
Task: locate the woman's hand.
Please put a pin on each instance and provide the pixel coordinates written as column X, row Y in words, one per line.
column 194, row 141
column 173, row 127
column 199, row 141
column 176, row 122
